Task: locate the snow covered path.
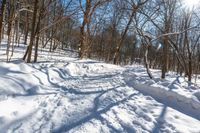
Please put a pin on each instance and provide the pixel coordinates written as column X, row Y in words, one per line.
column 81, row 96
column 71, row 95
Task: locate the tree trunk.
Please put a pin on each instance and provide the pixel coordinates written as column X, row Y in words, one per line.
column 9, row 30
column 9, row 39
column 3, row 3
column 165, row 57
column 146, row 62
column 37, row 41
column 36, row 48
column 190, row 67
column 26, row 28
column 32, row 33
column 51, row 45
column 83, row 44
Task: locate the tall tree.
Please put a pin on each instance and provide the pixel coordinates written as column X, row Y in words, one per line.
column 3, row 3
column 88, row 11
column 135, row 6
column 10, row 25
column 28, row 53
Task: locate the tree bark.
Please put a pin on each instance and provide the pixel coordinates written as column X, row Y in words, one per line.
column 83, row 36
column 165, row 57
column 9, row 30
column 26, row 28
column 3, row 3
column 146, row 61
column 32, row 33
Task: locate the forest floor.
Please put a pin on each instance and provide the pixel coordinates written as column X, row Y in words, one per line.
column 62, row 93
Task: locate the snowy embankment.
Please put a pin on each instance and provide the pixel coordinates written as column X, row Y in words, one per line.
column 175, row 99
column 174, row 92
column 70, row 95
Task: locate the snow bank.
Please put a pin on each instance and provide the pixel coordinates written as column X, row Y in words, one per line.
column 167, row 96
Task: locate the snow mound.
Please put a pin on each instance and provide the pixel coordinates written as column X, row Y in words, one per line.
column 197, row 95
column 166, row 95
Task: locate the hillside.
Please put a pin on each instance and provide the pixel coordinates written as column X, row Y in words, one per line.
column 62, row 93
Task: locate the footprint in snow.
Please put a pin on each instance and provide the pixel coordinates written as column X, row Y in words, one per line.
column 152, row 112
column 15, row 113
column 145, row 110
column 2, row 120
column 156, row 104
column 43, row 104
column 161, row 120
column 144, row 116
column 149, row 98
column 171, row 126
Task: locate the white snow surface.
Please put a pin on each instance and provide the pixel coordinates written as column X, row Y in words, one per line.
column 61, row 93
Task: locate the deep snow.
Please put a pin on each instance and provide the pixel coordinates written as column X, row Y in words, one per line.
column 64, row 94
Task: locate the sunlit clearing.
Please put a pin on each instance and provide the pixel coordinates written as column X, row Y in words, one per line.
column 190, row 4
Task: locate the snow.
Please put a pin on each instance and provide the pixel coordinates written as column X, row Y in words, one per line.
column 61, row 93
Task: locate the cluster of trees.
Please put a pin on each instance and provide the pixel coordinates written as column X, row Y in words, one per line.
column 164, row 34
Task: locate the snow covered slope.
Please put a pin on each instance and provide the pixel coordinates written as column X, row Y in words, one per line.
column 66, row 94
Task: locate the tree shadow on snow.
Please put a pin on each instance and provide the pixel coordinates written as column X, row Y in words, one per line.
column 95, row 114
column 160, row 120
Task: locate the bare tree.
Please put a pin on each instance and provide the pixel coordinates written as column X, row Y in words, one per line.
column 88, row 11
column 135, row 6
column 3, row 3
column 28, row 53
